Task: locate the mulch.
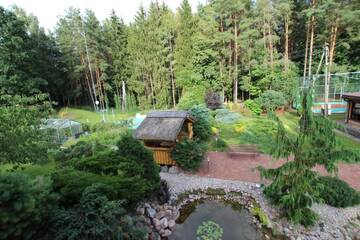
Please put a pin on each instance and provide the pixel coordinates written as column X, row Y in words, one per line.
column 221, row 165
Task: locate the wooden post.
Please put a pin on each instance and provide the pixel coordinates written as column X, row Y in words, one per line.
column 190, row 129
column 348, row 111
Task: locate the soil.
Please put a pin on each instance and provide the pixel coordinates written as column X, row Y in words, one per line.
column 243, row 168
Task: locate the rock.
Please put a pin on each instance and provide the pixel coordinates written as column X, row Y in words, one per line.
column 155, row 236
column 141, row 210
column 147, row 205
column 150, row 212
column 166, row 233
column 164, row 169
column 164, row 223
column 174, row 170
column 172, row 224
column 160, row 214
column 267, row 237
column 168, row 213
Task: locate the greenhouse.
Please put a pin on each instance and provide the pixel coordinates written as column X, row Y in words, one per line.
column 61, row 130
column 339, row 84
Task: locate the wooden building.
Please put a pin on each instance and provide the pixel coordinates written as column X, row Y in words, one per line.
column 353, row 108
column 161, row 130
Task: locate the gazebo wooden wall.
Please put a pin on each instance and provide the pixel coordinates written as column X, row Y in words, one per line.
column 162, row 156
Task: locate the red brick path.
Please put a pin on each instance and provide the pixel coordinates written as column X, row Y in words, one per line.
column 220, row 165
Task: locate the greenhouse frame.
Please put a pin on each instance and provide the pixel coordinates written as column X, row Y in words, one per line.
column 60, row 130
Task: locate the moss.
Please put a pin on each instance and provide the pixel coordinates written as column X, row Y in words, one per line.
column 215, row 191
column 260, row 215
column 186, row 210
column 234, row 204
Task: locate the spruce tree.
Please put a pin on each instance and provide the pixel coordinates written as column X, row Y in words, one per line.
column 292, row 183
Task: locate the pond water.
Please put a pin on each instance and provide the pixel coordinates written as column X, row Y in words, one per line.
column 236, row 224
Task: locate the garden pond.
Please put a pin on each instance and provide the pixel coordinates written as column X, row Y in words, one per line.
column 236, row 222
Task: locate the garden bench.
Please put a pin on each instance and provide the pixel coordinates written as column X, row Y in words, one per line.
column 243, row 150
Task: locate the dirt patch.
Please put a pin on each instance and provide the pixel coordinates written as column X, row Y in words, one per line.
column 221, row 165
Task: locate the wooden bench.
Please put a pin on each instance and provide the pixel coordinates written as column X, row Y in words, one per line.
column 243, row 150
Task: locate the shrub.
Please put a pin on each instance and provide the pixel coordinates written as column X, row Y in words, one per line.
column 253, row 106
column 270, row 100
column 133, row 150
column 189, row 154
column 80, row 149
column 219, row 145
column 25, row 206
column 202, row 125
column 96, row 217
column 70, row 184
column 336, row 192
column 209, row 230
column 213, row 100
column 260, row 215
column 225, row 116
column 192, row 97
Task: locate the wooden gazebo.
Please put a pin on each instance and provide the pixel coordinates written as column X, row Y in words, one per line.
column 353, row 108
column 161, row 130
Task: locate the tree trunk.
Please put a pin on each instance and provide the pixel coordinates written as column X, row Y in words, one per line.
column 235, row 95
column 286, row 53
column 312, row 23
column 306, row 49
column 172, row 78
column 123, row 95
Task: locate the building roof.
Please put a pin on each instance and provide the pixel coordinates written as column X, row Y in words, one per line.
column 351, row 96
column 59, row 123
column 162, row 125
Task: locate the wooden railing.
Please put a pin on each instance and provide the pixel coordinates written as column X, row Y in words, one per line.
column 162, row 156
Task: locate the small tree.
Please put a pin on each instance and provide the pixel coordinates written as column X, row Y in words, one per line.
column 189, row 154
column 291, row 186
column 202, row 125
column 21, row 139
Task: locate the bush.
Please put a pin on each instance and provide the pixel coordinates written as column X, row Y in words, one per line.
column 25, row 206
column 225, row 116
column 133, row 150
column 96, row 217
column 213, row 100
column 253, row 106
column 209, row 230
column 128, row 173
column 271, row 100
column 192, row 97
column 219, row 145
column 189, row 154
column 202, row 125
column 80, row 149
column 336, row 192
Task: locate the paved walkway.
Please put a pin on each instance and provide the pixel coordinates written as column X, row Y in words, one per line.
column 220, row 165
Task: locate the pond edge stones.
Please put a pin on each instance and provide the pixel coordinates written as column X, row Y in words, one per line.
column 161, row 218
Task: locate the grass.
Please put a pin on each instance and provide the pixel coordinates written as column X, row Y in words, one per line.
column 259, row 126
column 91, row 117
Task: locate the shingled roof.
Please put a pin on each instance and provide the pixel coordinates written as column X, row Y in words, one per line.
column 162, row 125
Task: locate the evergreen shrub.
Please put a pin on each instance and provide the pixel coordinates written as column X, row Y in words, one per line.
column 336, row 192
column 271, row 100
column 225, row 116
column 219, row 145
column 96, row 217
column 189, row 154
column 202, row 125
column 26, row 206
column 253, row 106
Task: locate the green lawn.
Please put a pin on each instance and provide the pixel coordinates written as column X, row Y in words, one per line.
column 92, row 117
column 261, row 128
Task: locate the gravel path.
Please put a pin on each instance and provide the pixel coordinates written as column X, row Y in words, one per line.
column 334, row 223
